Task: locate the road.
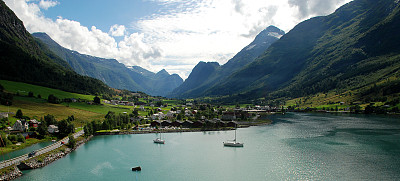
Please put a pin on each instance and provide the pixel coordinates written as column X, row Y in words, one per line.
column 46, row 149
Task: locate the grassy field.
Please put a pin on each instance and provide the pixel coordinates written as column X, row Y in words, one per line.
column 34, row 108
column 24, row 89
column 101, row 109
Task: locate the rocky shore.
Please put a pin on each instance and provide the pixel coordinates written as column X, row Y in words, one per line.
column 15, row 173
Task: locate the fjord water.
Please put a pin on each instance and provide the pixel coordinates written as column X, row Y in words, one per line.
column 297, row 146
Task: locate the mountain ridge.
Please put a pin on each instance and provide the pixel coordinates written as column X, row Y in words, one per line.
column 218, row 74
column 113, row 73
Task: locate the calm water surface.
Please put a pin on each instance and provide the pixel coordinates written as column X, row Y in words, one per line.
column 26, row 150
column 295, row 147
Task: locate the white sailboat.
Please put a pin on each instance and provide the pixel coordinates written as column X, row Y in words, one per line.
column 233, row 143
column 159, row 140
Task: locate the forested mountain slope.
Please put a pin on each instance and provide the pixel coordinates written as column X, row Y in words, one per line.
column 23, row 59
column 356, row 46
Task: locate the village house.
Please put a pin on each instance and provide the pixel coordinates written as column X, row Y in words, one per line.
column 20, row 125
column 228, row 116
column 198, row 124
column 177, row 123
column 166, row 123
column 158, row 116
column 171, row 114
column 28, row 135
column 5, row 114
column 33, row 123
column 156, row 123
column 52, row 129
column 232, row 124
column 188, row 113
column 187, row 124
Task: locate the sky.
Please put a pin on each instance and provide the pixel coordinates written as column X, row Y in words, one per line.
column 163, row 34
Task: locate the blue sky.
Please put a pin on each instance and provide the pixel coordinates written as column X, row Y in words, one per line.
column 163, row 34
column 103, row 13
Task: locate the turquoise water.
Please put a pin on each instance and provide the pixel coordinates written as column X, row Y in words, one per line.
column 295, row 147
column 26, row 150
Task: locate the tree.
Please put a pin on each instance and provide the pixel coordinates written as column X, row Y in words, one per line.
column 20, row 138
column 42, row 130
column 65, row 128
column 19, row 114
column 49, row 120
column 72, row 142
column 53, row 99
column 4, row 141
column 96, row 100
column 135, row 113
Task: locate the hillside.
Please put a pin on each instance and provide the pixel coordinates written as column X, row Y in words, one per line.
column 206, row 75
column 353, row 48
column 23, row 59
column 113, row 73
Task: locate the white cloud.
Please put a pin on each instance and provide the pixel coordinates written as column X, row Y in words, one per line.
column 47, row 4
column 117, row 30
column 183, row 33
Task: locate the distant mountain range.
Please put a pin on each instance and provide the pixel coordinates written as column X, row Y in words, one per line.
column 113, row 73
column 23, row 59
column 355, row 47
column 204, row 76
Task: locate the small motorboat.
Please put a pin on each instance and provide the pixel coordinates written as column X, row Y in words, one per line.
column 138, row 168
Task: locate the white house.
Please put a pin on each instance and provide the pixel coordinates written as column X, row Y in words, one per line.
column 20, row 125
column 171, row 114
column 158, row 116
column 52, row 129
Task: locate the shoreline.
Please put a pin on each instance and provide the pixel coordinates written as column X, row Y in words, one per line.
column 244, row 125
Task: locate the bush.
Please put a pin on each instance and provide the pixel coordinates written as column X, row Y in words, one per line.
column 21, row 138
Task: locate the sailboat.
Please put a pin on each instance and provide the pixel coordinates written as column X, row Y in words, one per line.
column 159, row 140
column 233, row 143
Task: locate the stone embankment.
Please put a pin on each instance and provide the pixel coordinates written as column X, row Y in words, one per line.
column 36, row 163
column 15, row 173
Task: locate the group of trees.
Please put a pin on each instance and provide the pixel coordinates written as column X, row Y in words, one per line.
column 111, row 121
column 5, row 98
column 65, row 126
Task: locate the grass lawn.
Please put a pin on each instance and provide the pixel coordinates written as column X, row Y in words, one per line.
column 100, row 109
column 32, row 108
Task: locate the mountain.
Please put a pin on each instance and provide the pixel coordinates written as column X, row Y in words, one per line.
column 23, row 59
column 200, row 74
column 355, row 47
column 206, row 75
column 113, row 73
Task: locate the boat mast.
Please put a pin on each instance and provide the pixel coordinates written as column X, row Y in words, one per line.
column 235, row 133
